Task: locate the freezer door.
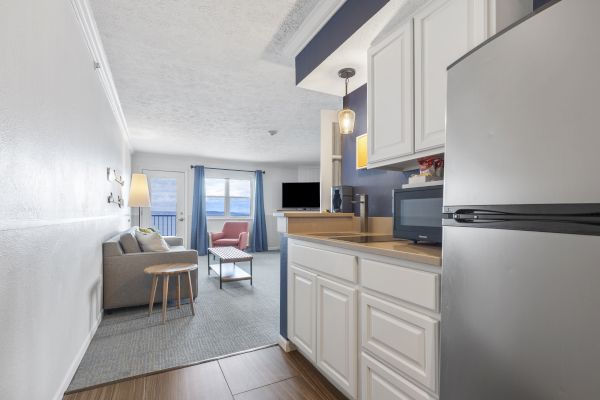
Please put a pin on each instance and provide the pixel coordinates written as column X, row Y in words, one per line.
column 520, row 315
column 523, row 113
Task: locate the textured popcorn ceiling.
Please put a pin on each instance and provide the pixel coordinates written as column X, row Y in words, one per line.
column 207, row 78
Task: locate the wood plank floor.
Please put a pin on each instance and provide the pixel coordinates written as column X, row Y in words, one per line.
column 266, row 374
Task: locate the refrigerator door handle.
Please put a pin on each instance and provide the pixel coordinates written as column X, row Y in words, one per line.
column 472, row 216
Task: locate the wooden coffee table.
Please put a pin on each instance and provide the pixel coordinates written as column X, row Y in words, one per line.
column 166, row 270
column 226, row 268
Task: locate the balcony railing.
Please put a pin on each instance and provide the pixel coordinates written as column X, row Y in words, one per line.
column 166, row 224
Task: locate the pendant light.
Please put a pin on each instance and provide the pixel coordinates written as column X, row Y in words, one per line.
column 346, row 116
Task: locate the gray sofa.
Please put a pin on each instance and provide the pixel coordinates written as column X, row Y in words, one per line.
column 125, row 283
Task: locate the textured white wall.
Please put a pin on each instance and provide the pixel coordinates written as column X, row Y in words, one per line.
column 275, row 175
column 57, row 136
column 309, row 173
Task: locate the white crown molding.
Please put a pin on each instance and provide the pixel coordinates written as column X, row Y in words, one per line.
column 86, row 21
column 313, row 23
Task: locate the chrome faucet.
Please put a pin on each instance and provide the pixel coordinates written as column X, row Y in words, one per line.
column 364, row 211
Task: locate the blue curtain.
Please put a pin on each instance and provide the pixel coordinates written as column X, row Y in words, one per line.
column 199, row 226
column 258, row 237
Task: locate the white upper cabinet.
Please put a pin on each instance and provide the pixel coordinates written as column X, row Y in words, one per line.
column 406, row 96
column 444, row 31
column 390, row 96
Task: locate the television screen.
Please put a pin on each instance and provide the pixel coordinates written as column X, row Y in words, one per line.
column 301, row 195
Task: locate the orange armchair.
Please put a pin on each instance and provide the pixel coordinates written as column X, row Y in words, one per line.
column 234, row 234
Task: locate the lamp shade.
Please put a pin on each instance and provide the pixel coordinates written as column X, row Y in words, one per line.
column 139, row 195
column 346, row 120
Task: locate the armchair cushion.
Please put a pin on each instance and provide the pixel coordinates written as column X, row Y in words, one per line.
column 226, row 242
column 216, row 236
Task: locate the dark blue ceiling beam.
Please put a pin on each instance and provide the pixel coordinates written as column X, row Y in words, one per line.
column 347, row 20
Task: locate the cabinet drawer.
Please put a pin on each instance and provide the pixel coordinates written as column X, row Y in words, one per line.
column 342, row 266
column 381, row 383
column 417, row 287
column 405, row 339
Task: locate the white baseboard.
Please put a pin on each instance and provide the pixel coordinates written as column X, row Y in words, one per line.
column 285, row 344
column 77, row 360
column 274, row 248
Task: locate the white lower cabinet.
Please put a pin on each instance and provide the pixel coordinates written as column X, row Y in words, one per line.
column 336, row 333
column 381, row 383
column 342, row 304
column 302, row 309
column 405, row 339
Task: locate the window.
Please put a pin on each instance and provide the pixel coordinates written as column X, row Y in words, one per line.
column 227, row 197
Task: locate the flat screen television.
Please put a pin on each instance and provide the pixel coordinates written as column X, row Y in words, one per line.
column 301, row 195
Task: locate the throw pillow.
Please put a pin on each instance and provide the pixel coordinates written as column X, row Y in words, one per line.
column 146, row 230
column 152, row 242
column 129, row 243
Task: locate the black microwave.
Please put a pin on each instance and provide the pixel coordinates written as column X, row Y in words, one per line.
column 418, row 214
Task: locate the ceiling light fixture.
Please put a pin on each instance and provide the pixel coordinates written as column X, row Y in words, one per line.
column 346, row 115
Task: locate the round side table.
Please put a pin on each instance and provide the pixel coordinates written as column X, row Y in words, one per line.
column 166, row 270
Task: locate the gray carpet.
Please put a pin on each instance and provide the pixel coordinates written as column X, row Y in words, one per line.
column 237, row 318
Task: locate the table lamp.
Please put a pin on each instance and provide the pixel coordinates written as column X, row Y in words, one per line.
column 139, row 195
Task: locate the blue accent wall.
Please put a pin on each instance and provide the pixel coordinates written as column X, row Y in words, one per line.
column 283, row 259
column 347, row 20
column 377, row 183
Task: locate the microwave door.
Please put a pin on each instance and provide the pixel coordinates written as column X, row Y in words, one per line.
column 418, row 214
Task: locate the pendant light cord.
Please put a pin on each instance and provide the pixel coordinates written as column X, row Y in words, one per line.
column 345, row 99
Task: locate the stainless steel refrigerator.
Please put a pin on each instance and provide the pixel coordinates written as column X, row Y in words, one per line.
column 521, row 241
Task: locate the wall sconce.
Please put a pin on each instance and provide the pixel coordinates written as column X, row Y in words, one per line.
column 119, row 201
column 113, row 176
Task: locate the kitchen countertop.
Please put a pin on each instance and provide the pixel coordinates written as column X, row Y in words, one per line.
column 403, row 249
column 310, row 214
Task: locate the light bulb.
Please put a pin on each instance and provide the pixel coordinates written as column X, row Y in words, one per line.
column 346, row 121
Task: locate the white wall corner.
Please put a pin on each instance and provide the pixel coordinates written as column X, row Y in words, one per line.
column 77, row 360
column 87, row 23
column 328, row 125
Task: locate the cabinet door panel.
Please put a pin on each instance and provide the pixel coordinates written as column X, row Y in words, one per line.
column 443, row 32
column 405, row 339
column 381, row 383
column 390, row 96
column 336, row 333
column 302, row 317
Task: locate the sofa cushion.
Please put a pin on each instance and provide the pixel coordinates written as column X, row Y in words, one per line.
column 151, row 242
column 129, row 243
column 177, row 248
column 226, row 242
